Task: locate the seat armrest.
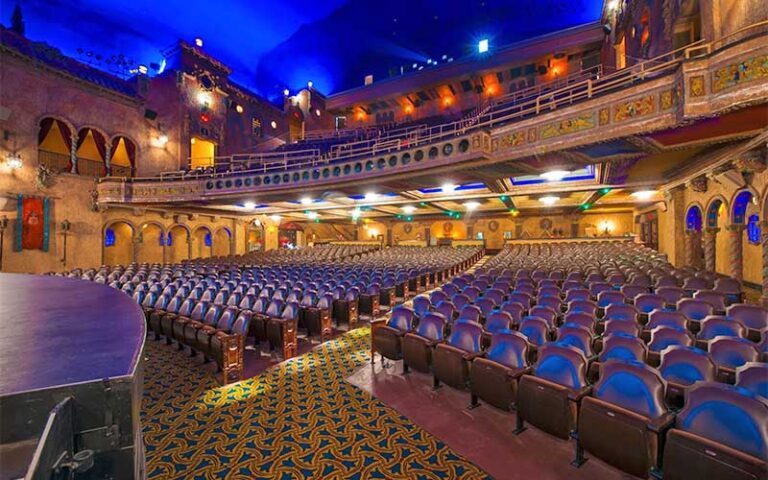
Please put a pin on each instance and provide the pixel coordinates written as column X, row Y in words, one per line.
column 662, row 423
column 519, row 373
column 577, row 395
column 469, row 356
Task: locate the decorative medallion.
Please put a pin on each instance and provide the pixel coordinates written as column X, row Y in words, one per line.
column 513, row 139
column 545, row 224
column 493, row 225
column 532, row 135
column 699, row 184
column 634, row 108
column 604, row 116
column 667, row 99
column 697, row 86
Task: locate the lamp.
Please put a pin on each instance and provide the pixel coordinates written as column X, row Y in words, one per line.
column 13, row 161
column 66, row 226
column 3, row 226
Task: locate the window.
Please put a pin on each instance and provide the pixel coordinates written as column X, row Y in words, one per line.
column 507, row 235
column 162, row 240
column 480, row 235
column 109, row 238
column 169, row 239
column 753, row 229
column 208, row 239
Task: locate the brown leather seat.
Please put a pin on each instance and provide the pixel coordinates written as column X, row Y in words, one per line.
column 494, row 377
column 451, row 360
column 418, row 345
column 388, row 338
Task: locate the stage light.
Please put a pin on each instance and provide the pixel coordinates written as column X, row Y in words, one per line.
column 249, row 205
column 549, row 200
column 415, row 66
column 286, row 92
column 310, row 84
column 275, row 218
column 643, row 194
column 273, row 124
column 143, row 69
column 306, row 201
column 408, row 209
column 312, row 215
column 448, row 188
column 482, row 46
column 239, row 108
column 470, row 206
column 371, row 196
column 554, row 175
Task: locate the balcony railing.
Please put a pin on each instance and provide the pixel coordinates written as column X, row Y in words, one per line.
column 57, row 162
column 498, row 115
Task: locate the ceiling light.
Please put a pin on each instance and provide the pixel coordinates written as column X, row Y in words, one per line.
column 482, row 46
column 249, row 205
column 408, row 209
column 612, row 5
column 471, row 205
column 199, row 42
column 448, row 188
column 286, row 92
column 371, row 196
column 306, row 201
column 275, row 218
column 204, row 98
column 273, row 124
column 549, row 200
column 643, row 194
column 554, row 175
column 312, row 215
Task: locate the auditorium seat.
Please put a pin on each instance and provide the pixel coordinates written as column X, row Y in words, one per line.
column 549, row 398
column 717, row 325
column 624, row 420
column 317, row 318
column 387, row 339
column 451, row 359
column 202, row 339
column 494, row 376
column 682, row 367
column 754, row 317
column 617, row 346
column 729, row 353
column 720, row 434
column 662, row 337
column 226, row 347
column 419, row 344
column 282, row 329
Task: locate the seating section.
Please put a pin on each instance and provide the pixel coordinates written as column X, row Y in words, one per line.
column 606, row 343
column 217, row 306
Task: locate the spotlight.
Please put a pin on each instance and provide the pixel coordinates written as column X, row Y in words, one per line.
column 482, row 46
column 554, row 175
column 199, row 42
column 549, row 200
column 143, row 69
column 471, row 205
column 204, row 98
column 408, row 209
column 249, row 205
column 643, row 194
column 273, row 124
column 286, row 92
column 371, row 196
column 306, row 201
column 448, row 188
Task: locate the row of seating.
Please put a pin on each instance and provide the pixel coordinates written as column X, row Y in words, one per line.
column 599, row 374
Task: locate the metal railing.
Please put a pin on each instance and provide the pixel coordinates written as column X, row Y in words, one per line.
column 498, row 115
column 57, row 162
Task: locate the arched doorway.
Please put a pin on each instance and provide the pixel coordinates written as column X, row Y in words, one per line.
column 54, row 145
column 222, row 242
column 745, row 251
column 202, row 241
column 177, row 244
column 122, row 159
column 694, row 255
column 117, row 243
column 151, row 243
column 91, row 153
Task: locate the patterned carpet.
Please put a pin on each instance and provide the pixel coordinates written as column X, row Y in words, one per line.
column 297, row 420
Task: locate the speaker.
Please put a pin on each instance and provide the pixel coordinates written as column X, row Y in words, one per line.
column 150, row 114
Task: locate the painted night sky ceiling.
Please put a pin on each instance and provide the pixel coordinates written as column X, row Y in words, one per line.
column 271, row 45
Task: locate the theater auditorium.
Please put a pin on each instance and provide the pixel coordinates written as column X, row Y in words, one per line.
column 352, row 239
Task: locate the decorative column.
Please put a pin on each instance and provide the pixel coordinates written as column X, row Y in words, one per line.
column 764, row 246
column 735, row 254
column 108, row 157
column 73, row 152
column 138, row 239
column 690, row 247
column 710, row 252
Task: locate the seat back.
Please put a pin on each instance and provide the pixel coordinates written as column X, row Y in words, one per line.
column 670, row 294
column 580, row 318
column 634, row 386
column 447, row 309
column 694, row 309
column 544, row 312
column 226, row 319
column 291, row 311
column 732, row 352
column 716, row 299
column 662, row 318
column 610, row 297
column 513, row 308
column 621, row 326
column 466, row 336
column 621, row 346
column 199, row 311
column 623, row 312
column 432, row 326
column 716, row 325
column 561, row 364
column 509, row 348
column 242, row 323
column 648, row 302
column 535, row 329
column 577, row 336
column 212, row 315
column 663, row 337
column 470, row 313
column 401, row 318
column 498, row 320
column 275, row 308
column 752, row 316
column 726, row 415
column 686, row 365
column 582, row 306
column 753, row 376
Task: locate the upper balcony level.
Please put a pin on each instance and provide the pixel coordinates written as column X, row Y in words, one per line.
column 701, row 80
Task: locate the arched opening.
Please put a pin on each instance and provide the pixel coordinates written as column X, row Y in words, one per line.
column 54, row 145
column 716, row 248
column 151, row 243
column 693, row 226
column 117, row 241
column 254, row 240
column 222, row 243
column 177, row 244
column 91, row 153
column 746, row 212
column 122, row 162
column 202, row 241
column 290, row 235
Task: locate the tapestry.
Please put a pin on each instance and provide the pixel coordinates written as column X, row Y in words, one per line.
column 32, row 230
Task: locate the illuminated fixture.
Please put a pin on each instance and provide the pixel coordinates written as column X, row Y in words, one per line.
column 310, row 84
column 199, row 42
column 482, row 46
column 447, row 101
column 643, row 194
column 162, row 140
column 306, row 201
column 408, row 209
column 275, row 218
column 143, row 69
column 371, row 196
column 239, row 109
column 193, row 140
column 249, row 205
column 612, row 5
column 408, row 109
column 312, row 215
column 317, row 112
column 204, row 118
column 273, row 124
column 356, row 214
column 286, row 92
column 13, row 161
column 471, row 205
column 549, row 200
column 204, row 98
column 554, row 175
column 448, row 188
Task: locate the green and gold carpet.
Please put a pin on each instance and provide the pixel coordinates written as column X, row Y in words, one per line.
column 297, row 420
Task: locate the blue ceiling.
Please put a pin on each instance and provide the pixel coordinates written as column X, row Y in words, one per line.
column 271, row 45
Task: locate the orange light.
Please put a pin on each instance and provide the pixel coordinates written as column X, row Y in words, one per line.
column 555, row 71
column 360, row 115
column 408, row 109
column 447, row 101
column 492, row 90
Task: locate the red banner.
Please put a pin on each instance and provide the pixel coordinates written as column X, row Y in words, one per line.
column 33, row 221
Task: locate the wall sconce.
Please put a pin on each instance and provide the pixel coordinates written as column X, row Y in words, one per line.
column 66, row 226
column 606, row 227
column 3, row 226
column 13, row 161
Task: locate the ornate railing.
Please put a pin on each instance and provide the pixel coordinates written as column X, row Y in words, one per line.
column 57, row 162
